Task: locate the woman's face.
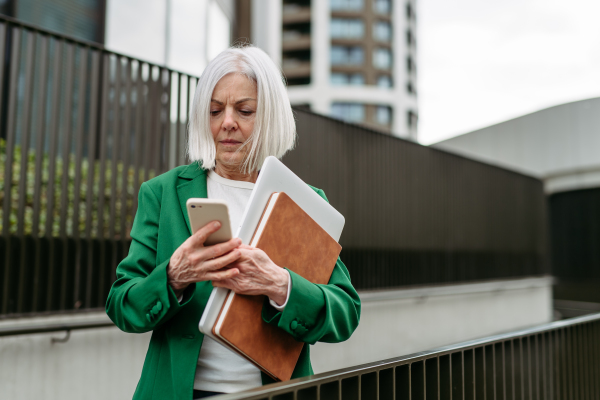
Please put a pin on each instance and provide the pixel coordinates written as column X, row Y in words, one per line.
column 232, row 114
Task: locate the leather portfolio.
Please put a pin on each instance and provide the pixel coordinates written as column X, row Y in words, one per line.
column 292, row 239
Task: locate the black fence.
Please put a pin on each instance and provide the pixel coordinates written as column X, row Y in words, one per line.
column 560, row 360
column 82, row 128
column 416, row 215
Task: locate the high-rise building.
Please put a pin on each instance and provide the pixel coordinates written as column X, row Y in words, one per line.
column 351, row 59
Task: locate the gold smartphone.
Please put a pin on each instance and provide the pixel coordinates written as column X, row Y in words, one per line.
column 203, row 211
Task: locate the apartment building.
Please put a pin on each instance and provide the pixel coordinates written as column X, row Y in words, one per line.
column 351, row 59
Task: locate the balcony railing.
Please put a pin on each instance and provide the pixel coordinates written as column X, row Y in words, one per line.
column 560, row 360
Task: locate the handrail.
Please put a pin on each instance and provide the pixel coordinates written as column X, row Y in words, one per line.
column 315, row 381
column 55, row 327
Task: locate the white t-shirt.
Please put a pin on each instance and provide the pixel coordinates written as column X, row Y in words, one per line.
column 220, row 369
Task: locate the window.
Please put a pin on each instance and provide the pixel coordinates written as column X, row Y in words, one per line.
column 409, row 11
column 351, row 112
column 346, row 5
column 341, row 79
column 411, row 119
column 344, row 28
column 410, row 39
column 382, row 58
column 357, row 79
column 410, row 88
column 347, row 55
column 410, row 65
column 383, row 115
column 338, row 79
column 382, row 6
column 382, row 31
column 384, row 81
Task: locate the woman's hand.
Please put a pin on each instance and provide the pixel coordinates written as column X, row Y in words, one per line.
column 195, row 262
column 257, row 275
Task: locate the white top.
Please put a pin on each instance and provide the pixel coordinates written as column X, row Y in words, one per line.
column 220, row 369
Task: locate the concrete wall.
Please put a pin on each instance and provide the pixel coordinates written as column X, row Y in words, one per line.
column 106, row 363
column 559, row 145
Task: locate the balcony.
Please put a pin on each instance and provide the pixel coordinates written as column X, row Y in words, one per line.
column 293, row 68
column 292, row 14
column 295, row 41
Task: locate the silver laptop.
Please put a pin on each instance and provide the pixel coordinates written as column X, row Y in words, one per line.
column 274, row 177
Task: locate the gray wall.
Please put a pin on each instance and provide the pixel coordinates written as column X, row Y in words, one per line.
column 560, row 145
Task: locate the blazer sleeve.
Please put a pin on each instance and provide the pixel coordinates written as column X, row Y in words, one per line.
column 319, row 313
column 140, row 299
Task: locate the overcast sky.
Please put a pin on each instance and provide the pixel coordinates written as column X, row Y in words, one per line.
column 485, row 61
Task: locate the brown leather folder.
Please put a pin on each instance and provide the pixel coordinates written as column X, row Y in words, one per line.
column 292, row 239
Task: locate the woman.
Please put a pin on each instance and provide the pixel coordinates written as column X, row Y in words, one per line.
column 241, row 115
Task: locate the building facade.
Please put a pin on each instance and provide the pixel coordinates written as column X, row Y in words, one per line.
column 351, row 59
column 559, row 145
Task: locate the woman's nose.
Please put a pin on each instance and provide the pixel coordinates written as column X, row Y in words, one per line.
column 229, row 122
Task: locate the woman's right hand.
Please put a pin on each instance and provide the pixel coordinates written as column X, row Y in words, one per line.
column 195, row 262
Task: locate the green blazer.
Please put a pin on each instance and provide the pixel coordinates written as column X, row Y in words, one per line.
column 140, row 300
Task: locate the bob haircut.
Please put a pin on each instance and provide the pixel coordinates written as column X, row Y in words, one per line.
column 274, row 126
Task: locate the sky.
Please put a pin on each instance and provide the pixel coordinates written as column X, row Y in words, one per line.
column 481, row 62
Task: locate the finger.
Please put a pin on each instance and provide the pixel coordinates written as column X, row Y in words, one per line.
column 222, row 275
column 220, row 262
column 203, row 233
column 222, row 248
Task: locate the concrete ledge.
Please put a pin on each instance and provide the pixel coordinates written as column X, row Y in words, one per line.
column 448, row 290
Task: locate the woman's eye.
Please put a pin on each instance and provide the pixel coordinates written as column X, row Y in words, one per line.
column 214, row 112
column 246, row 112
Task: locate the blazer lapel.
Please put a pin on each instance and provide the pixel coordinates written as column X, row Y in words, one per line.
column 193, row 185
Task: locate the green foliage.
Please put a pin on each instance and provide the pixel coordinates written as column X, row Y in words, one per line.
column 60, row 217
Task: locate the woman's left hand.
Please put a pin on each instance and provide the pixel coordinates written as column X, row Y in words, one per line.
column 257, row 275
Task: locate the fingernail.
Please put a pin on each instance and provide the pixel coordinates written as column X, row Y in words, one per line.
column 216, row 224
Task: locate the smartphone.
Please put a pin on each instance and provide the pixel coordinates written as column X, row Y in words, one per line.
column 203, row 211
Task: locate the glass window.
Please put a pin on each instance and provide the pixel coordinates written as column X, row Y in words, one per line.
column 382, row 58
column 409, row 11
column 338, row 79
column 410, row 65
column 345, row 28
column 411, row 119
column 347, row 55
column 383, row 115
column 346, row 5
column 382, row 6
column 357, row 79
column 382, row 31
column 351, row 112
column 409, row 38
column 384, row 81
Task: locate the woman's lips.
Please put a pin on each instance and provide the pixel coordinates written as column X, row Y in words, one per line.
column 230, row 142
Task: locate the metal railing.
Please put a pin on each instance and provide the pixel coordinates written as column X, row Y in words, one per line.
column 560, row 360
column 82, row 128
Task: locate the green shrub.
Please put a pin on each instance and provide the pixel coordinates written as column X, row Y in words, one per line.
column 67, row 215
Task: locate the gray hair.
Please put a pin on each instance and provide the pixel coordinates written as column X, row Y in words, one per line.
column 274, row 127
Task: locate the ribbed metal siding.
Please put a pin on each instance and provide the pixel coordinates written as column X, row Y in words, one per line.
column 417, row 215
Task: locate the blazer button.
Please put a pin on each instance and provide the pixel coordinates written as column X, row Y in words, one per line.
column 158, row 305
column 294, row 325
column 148, row 317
